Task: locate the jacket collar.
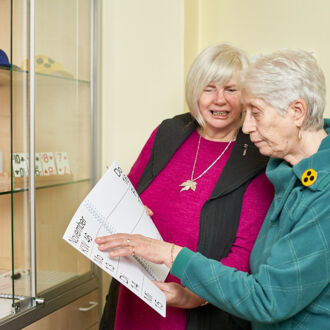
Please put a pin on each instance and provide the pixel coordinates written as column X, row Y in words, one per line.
column 284, row 177
column 244, row 163
column 318, row 163
column 177, row 132
column 239, row 168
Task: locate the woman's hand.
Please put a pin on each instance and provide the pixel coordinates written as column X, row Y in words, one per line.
column 179, row 296
column 149, row 212
column 150, row 249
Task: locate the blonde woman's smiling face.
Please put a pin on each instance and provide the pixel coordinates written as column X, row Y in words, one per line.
column 221, row 108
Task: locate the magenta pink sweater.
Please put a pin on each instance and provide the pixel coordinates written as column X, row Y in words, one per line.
column 177, row 216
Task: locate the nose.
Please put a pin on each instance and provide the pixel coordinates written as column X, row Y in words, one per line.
column 220, row 96
column 248, row 124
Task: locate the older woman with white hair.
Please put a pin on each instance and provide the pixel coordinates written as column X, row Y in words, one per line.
column 205, row 183
column 288, row 287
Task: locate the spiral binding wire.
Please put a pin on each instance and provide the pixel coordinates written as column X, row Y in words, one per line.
column 110, row 229
column 98, row 216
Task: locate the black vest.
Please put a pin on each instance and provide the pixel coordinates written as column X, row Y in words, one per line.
column 220, row 214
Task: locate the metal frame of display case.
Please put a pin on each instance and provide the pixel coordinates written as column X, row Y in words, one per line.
column 69, row 291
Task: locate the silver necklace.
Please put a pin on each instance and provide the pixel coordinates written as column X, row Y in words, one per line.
column 191, row 183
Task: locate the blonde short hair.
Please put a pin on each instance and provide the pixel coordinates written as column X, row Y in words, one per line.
column 215, row 64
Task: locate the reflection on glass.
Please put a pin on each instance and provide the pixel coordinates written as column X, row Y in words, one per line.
column 62, row 144
column 62, row 133
column 15, row 283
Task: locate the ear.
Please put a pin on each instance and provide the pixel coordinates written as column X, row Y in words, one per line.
column 299, row 111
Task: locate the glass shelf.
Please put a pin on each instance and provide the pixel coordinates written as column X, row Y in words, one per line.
column 48, row 116
column 19, row 76
column 45, row 185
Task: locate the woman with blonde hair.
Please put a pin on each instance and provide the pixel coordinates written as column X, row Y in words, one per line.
column 204, row 182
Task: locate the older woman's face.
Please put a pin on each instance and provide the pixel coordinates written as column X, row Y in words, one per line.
column 221, row 107
column 273, row 133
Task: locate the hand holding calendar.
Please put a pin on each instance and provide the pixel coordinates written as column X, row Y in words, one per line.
column 113, row 206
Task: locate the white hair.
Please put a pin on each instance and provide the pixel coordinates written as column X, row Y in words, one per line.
column 284, row 76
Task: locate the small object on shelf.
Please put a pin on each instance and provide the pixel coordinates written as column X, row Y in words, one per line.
column 18, row 273
column 46, row 65
column 48, row 163
column 20, row 165
column 62, row 163
column 37, row 165
column 16, row 276
column 4, row 59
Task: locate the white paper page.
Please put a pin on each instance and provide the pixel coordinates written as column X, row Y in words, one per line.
column 113, row 206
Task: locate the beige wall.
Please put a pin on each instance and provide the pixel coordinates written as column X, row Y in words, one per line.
column 142, row 75
column 261, row 26
column 142, row 68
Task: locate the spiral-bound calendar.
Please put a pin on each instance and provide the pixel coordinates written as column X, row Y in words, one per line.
column 113, row 206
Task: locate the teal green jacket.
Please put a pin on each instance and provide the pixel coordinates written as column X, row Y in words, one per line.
column 288, row 287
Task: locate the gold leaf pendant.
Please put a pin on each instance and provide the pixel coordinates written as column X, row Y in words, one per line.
column 189, row 184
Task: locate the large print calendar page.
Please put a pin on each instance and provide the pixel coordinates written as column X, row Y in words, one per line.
column 113, row 206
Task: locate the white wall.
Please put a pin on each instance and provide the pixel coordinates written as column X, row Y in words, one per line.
column 142, row 72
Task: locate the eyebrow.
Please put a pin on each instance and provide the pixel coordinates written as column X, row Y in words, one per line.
column 225, row 85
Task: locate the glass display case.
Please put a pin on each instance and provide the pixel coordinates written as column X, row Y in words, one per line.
column 47, row 152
